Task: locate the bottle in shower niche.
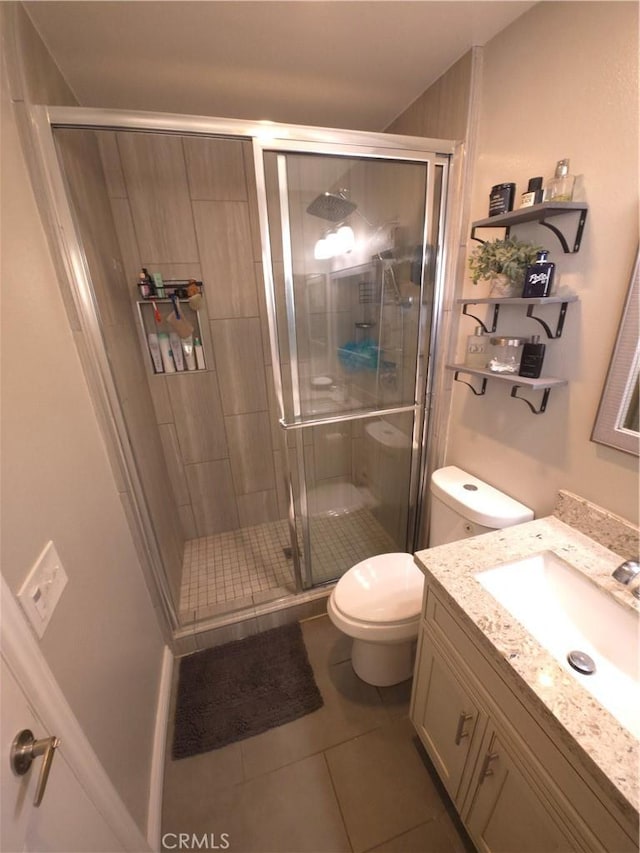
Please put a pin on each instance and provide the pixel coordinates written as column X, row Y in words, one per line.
column 538, row 278
column 156, row 355
column 560, row 187
column 477, row 354
column 165, row 353
column 532, row 358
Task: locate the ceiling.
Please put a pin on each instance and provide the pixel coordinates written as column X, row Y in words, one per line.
column 335, row 63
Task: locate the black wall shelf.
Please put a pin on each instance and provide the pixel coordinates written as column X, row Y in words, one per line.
column 539, row 213
column 544, row 383
column 563, row 301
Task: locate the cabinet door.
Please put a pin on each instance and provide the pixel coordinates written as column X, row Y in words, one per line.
column 506, row 813
column 447, row 719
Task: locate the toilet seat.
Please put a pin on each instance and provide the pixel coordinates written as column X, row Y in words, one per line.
column 381, row 590
column 379, row 599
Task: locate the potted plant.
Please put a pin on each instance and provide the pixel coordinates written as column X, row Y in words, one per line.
column 503, row 263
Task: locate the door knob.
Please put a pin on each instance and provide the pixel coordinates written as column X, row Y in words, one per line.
column 24, row 749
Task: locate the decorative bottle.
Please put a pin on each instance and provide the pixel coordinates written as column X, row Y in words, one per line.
column 533, row 194
column 476, row 353
column 560, row 187
column 532, row 358
column 538, row 278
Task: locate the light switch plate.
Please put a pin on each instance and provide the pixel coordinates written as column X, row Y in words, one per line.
column 42, row 588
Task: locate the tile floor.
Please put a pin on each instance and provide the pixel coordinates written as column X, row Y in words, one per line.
column 245, row 567
column 349, row 777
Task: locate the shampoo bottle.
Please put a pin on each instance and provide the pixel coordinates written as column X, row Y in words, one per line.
column 154, row 349
column 532, row 358
column 197, row 347
column 165, row 352
column 176, row 350
column 189, row 355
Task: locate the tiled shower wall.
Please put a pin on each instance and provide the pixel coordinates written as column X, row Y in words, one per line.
column 185, row 207
column 86, row 182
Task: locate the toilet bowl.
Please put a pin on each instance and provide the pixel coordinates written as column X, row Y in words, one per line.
column 377, row 603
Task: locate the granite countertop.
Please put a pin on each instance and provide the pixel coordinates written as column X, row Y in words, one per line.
column 568, row 711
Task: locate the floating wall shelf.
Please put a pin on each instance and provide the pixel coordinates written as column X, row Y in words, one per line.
column 544, row 383
column 539, row 213
column 563, row 301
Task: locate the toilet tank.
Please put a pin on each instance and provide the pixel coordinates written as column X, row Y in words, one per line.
column 463, row 506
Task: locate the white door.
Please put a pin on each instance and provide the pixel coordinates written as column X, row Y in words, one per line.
column 66, row 820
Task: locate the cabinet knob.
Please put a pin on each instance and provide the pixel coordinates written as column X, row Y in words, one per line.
column 486, row 769
column 460, row 732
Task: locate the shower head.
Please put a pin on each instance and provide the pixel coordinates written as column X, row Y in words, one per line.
column 333, row 207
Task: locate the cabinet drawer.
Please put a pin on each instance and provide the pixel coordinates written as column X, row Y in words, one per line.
column 576, row 792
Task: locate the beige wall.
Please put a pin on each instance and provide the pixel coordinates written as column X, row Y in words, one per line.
column 441, row 112
column 562, row 81
column 103, row 643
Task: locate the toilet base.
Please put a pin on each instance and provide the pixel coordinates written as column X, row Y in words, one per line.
column 383, row 664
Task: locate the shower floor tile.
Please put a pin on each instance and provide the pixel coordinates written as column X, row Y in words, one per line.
column 240, row 568
column 222, row 573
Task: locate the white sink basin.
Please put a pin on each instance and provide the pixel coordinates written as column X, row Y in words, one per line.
column 566, row 612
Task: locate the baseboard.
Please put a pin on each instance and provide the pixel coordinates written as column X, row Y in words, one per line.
column 154, row 817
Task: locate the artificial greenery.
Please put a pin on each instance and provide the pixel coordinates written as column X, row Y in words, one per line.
column 508, row 257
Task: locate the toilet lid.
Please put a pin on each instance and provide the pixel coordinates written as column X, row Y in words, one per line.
column 384, row 588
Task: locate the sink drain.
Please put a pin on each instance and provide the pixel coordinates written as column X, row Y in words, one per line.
column 581, row 662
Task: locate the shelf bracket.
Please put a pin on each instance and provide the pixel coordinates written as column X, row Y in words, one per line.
column 479, row 393
column 545, row 326
column 496, row 311
column 543, row 404
column 561, row 238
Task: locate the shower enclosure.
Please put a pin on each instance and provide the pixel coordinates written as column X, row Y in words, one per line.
column 295, row 447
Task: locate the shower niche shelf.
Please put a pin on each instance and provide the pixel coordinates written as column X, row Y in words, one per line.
column 149, row 325
column 543, row 384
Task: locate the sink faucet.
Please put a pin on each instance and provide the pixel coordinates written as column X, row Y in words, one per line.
column 628, row 573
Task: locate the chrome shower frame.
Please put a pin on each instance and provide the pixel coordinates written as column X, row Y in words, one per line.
column 78, row 294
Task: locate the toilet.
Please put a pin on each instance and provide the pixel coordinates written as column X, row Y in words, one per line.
column 378, row 601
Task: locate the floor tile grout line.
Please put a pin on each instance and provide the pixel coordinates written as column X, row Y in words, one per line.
column 400, row 834
column 338, row 803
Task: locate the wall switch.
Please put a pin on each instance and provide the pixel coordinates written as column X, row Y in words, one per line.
column 42, row 588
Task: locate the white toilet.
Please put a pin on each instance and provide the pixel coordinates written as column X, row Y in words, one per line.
column 378, row 601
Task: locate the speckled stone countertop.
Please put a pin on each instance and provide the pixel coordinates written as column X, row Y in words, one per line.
column 574, row 719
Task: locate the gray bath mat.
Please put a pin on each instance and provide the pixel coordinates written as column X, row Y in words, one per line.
column 234, row 691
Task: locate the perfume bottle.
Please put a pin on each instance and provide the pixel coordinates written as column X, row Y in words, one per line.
column 560, row 187
column 538, row 278
column 532, row 358
column 533, row 194
column 476, row 354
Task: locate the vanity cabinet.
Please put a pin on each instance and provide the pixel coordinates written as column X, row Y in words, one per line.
column 512, row 786
column 505, row 811
column 449, row 721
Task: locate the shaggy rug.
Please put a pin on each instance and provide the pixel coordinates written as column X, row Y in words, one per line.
column 241, row 689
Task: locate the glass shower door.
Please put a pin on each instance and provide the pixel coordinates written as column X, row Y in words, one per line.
column 350, row 294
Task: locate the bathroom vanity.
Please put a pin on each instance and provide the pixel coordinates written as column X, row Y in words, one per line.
column 531, row 760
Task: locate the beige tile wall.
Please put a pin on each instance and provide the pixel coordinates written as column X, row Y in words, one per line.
column 86, row 180
column 186, row 207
